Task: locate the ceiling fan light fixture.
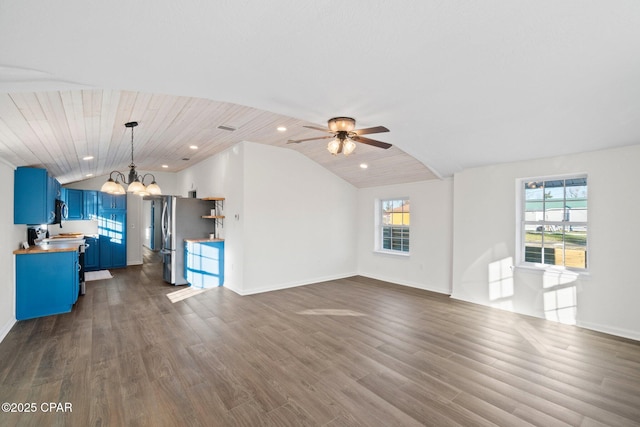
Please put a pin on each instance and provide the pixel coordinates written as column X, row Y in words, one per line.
column 342, row 124
column 334, row 146
column 348, row 146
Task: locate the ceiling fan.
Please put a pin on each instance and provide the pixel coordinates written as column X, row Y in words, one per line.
column 344, row 136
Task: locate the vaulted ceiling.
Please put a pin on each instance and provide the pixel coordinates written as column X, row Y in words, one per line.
column 459, row 84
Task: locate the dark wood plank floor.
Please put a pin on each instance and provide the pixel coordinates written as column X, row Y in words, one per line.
column 341, row 353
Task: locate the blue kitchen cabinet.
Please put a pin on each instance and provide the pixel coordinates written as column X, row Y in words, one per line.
column 91, row 254
column 35, row 193
column 112, row 227
column 90, row 198
column 81, row 204
column 204, row 263
column 108, row 201
column 75, row 203
column 46, row 283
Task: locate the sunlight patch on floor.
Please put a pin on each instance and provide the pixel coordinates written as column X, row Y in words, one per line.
column 329, row 312
column 184, row 294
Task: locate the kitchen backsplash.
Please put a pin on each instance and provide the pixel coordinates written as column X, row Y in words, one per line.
column 85, row 227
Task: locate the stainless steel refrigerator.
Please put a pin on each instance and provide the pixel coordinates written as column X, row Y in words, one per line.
column 181, row 219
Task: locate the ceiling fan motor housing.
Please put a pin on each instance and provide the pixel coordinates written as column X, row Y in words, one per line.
column 342, row 124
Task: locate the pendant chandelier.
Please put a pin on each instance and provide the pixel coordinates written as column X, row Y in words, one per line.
column 134, row 181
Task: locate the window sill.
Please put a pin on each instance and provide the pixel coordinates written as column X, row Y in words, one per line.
column 392, row 253
column 548, row 269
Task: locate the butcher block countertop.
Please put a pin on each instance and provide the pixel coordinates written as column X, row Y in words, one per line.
column 203, row 240
column 42, row 249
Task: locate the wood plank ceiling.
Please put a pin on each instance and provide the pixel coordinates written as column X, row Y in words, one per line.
column 56, row 130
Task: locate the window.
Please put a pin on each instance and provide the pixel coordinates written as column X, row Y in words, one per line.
column 553, row 228
column 394, row 225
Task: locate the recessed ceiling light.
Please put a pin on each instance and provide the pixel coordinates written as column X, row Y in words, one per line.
column 165, row 166
column 89, row 175
column 193, row 147
column 364, row 165
column 281, row 128
column 87, row 158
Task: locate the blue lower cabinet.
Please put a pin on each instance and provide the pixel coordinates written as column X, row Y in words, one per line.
column 112, row 227
column 91, row 254
column 46, row 283
column 204, row 263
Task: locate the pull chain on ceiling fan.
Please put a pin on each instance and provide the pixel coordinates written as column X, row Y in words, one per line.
column 344, row 136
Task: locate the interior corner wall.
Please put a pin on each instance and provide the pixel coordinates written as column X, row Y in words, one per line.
column 222, row 175
column 12, row 236
column 429, row 264
column 484, row 239
column 299, row 221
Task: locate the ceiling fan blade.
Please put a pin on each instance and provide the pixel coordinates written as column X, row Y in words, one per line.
column 370, row 141
column 295, row 141
column 375, row 129
column 317, row 128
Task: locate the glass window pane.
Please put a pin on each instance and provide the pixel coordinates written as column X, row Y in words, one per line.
column 395, row 221
column 533, row 191
column 552, row 245
column 555, row 212
column 575, row 243
column 386, row 243
column 534, row 211
column 533, row 243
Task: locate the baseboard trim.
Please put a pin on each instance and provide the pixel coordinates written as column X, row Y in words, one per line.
column 619, row 332
column 292, row 284
column 6, row 328
column 406, row 283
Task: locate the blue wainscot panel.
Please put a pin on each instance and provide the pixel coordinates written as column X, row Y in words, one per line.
column 204, row 263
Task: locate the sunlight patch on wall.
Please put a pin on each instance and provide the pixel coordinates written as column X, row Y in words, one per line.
column 501, row 284
column 560, row 296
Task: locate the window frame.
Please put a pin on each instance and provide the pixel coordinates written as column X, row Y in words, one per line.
column 380, row 226
column 521, row 224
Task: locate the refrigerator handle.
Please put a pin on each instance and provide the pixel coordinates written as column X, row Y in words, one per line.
column 164, row 223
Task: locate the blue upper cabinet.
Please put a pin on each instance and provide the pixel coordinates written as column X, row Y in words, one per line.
column 75, row 203
column 35, row 193
column 81, row 204
column 90, row 204
column 108, row 201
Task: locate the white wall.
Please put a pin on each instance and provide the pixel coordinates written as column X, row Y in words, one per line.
column 300, row 221
column 429, row 264
column 288, row 220
column 222, row 176
column 12, row 236
column 485, row 234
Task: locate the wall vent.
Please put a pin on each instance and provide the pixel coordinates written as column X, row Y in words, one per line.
column 228, row 128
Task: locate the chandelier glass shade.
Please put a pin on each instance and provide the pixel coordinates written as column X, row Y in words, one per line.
column 134, row 182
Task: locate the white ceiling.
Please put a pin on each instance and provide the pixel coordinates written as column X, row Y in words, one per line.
column 458, row 83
